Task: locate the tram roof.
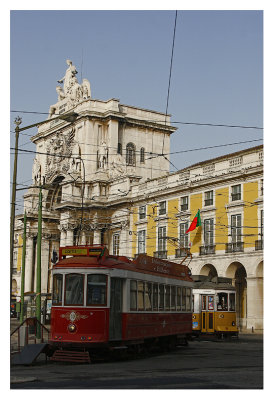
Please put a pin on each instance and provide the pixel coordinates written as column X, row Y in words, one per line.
column 143, row 264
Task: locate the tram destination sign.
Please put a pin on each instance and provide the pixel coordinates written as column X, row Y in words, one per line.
column 73, row 251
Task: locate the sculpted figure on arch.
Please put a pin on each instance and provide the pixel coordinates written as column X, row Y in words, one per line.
column 73, row 91
column 68, row 78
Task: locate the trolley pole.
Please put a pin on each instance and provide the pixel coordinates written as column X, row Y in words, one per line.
column 38, row 271
column 23, row 270
column 17, row 121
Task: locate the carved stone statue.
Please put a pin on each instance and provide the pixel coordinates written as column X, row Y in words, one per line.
column 103, row 156
column 86, row 89
column 117, row 166
column 36, row 172
column 75, row 160
column 69, row 75
column 73, row 91
column 60, row 92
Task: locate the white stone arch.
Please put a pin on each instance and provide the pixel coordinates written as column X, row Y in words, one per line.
column 54, row 194
column 237, row 272
column 259, row 273
column 209, row 270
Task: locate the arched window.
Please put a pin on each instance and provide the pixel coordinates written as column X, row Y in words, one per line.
column 142, row 155
column 130, row 154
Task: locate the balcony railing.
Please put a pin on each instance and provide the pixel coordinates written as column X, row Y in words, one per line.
column 209, row 249
column 183, row 252
column 234, row 247
column 259, row 245
column 160, row 254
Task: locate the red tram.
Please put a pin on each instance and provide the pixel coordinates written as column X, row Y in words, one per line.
column 103, row 301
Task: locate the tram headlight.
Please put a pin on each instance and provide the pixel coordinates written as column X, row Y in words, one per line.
column 72, row 328
column 194, row 316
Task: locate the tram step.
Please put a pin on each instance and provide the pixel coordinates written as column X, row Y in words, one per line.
column 71, row 356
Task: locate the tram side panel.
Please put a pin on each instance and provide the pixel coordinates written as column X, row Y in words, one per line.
column 149, row 325
column 79, row 325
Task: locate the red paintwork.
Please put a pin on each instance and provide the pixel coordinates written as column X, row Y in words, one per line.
column 135, row 325
column 95, row 325
column 145, row 325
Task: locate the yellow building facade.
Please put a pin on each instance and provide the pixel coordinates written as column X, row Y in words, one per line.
column 228, row 191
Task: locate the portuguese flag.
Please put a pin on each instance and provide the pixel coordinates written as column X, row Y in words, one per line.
column 195, row 223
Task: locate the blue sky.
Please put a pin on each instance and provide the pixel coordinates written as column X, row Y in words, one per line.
column 217, row 74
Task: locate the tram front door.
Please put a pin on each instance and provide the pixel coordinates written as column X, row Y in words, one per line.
column 207, row 312
column 115, row 315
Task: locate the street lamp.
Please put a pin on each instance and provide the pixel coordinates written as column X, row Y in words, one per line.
column 69, row 117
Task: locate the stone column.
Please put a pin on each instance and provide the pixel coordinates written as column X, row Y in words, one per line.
column 125, row 245
column 97, row 237
column 44, row 263
column 83, row 238
column 69, row 240
column 63, row 238
column 254, row 303
column 28, row 263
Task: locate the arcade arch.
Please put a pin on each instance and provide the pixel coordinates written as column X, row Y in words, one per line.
column 237, row 272
column 209, row 270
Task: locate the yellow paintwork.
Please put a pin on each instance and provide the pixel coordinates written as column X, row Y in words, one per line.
column 19, row 254
column 224, row 324
column 134, row 231
column 172, row 228
column 221, row 229
column 250, row 193
column 221, row 324
column 221, row 220
column 151, row 229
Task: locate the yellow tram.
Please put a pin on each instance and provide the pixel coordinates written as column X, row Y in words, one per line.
column 214, row 307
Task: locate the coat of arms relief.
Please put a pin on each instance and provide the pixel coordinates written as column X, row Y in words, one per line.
column 63, row 155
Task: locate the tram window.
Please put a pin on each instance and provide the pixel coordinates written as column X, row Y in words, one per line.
column 232, row 302
column 74, row 293
column 148, row 296
column 203, row 303
column 133, row 295
column 96, row 291
column 173, row 298
column 222, row 301
column 140, row 296
column 167, row 297
column 161, row 297
column 155, row 297
column 210, row 303
column 179, row 298
column 188, row 299
column 183, row 299
column 57, row 289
